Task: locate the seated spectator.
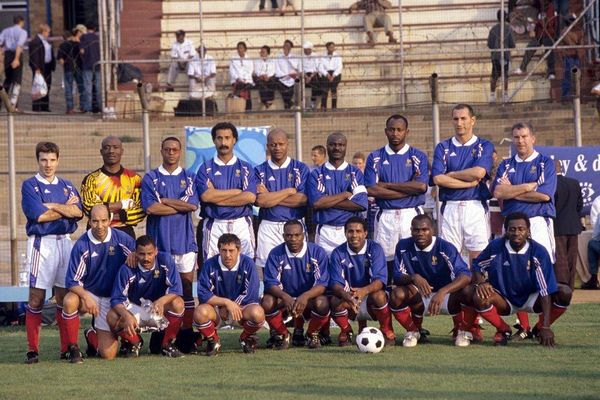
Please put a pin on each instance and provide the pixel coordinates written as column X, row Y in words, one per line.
column 375, row 15
column 286, row 70
column 310, row 68
column 330, row 69
column 182, row 51
column 545, row 32
column 264, row 76
column 287, row 4
column 240, row 74
column 202, row 71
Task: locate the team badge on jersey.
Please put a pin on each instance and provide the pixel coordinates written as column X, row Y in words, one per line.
column 182, row 183
column 111, row 250
column 237, row 172
column 474, row 152
column 433, row 260
column 533, row 169
column 367, row 261
column 528, row 265
column 347, row 177
column 307, row 267
column 408, row 162
column 239, row 279
column 156, row 273
column 66, row 191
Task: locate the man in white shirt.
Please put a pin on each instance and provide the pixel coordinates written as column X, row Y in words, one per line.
column 182, row 51
column 330, row 69
column 240, row 74
column 264, row 76
column 310, row 68
column 594, row 247
column 286, row 71
column 12, row 43
column 202, row 71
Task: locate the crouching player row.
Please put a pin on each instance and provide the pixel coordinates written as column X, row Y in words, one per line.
column 98, row 278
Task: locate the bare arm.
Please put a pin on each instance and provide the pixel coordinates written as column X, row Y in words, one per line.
column 271, row 199
column 295, row 200
column 66, row 210
column 348, row 206
column 403, row 280
column 409, row 188
column 534, row 197
column 179, row 205
column 468, row 174
column 331, row 201
column 241, row 199
column 215, row 196
column 505, row 191
column 49, row 216
column 380, row 192
column 453, row 183
column 160, row 209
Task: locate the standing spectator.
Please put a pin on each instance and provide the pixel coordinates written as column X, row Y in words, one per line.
column 593, row 247
column 375, row 14
column 567, row 226
column 202, row 71
column 261, row 5
column 330, row 70
column 571, row 57
column 545, row 32
column 494, row 43
column 359, row 160
column 42, row 61
column 264, row 76
column 240, row 74
column 318, row 156
column 285, row 4
column 286, row 70
column 310, row 69
column 182, row 52
column 89, row 46
column 68, row 56
column 12, row 41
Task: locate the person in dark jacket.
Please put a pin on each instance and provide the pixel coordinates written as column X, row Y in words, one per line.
column 42, row 61
column 68, row 56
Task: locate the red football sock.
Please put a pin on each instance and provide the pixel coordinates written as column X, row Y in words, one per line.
column 491, row 315
column 403, row 316
column 459, row 322
column 316, row 322
column 341, row 319
column 250, row 328
column 555, row 312
column 188, row 315
column 208, row 330
column 325, row 331
column 172, row 329
column 418, row 320
column 299, row 322
column 275, row 321
column 92, row 338
column 133, row 339
column 523, row 320
column 469, row 316
column 61, row 329
column 33, row 324
column 384, row 316
column 71, row 323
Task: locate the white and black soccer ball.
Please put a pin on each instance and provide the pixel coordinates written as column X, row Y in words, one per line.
column 370, row 340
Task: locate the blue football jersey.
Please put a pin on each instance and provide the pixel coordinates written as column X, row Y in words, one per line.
column 408, row 164
column 296, row 273
column 239, row 284
column 356, row 270
column 517, row 275
column 439, row 263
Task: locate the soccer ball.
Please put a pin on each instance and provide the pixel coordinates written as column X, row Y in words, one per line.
column 370, row 340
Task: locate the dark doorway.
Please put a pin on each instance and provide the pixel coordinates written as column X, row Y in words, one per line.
column 80, row 12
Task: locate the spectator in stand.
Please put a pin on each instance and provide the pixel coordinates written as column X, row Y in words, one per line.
column 571, row 57
column 285, row 4
column 89, row 48
column 375, row 14
column 545, row 33
column 12, row 42
column 264, row 76
column 318, row 155
column 42, row 61
column 359, row 160
column 182, row 52
column 567, row 226
column 310, row 68
column 68, row 56
column 202, row 71
column 330, row 70
column 286, row 70
column 240, row 74
column 494, row 43
column 593, row 247
column 261, row 5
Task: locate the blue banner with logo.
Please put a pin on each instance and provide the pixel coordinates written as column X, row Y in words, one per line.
column 250, row 147
column 581, row 163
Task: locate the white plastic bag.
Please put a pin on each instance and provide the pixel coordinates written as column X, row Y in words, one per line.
column 39, row 88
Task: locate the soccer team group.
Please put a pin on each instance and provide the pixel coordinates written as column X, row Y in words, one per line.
column 405, row 272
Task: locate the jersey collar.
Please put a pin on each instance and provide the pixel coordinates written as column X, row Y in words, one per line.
column 299, row 254
column 285, row 164
column 220, row 162
column 360, row 252
column 96, row 241
column 470, row 142
column 402, row 151
column 512, row 251
column 340, row 168
column 428, row 248
column 108, row 173
column 225, row 269
column 147, row 270
column 163, row 171
column 528, row 159
column 43, row 180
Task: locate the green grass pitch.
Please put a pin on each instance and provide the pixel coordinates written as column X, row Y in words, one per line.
column 435, row 371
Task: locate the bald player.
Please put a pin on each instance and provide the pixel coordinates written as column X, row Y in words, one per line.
column 281, row 194
column 115, row 186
